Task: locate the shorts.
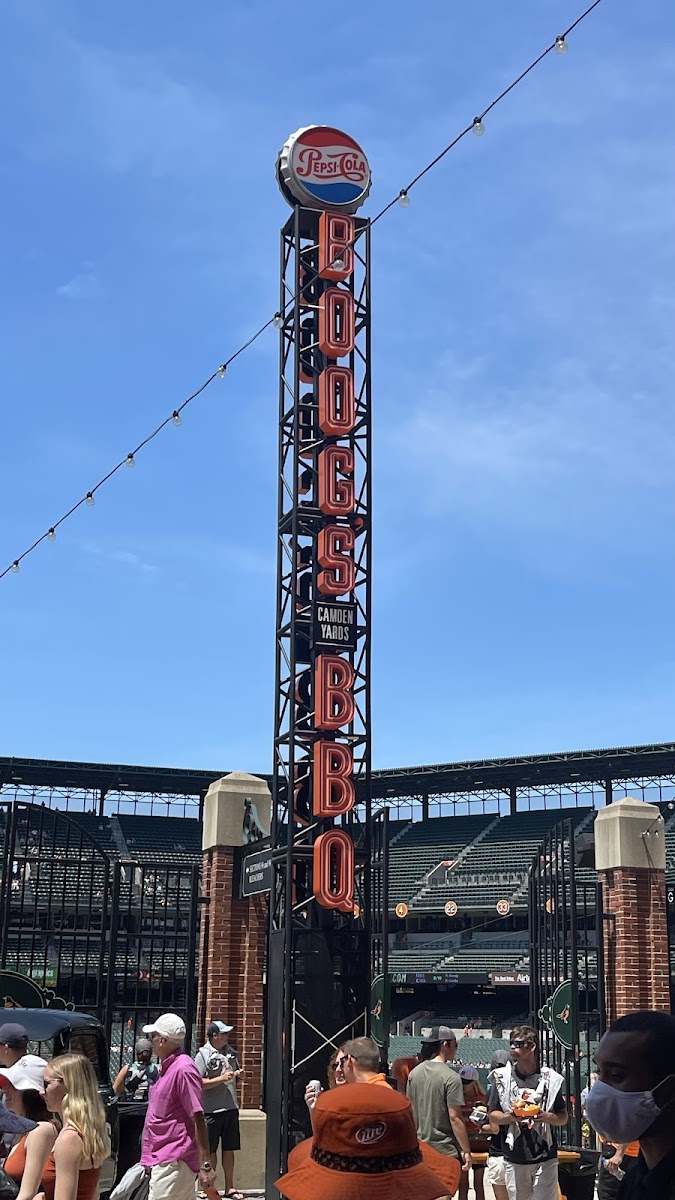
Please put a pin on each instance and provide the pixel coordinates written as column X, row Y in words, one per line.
column 223, row 1127
column 494, row 1171
column 532, row 1181
column 172, row 1181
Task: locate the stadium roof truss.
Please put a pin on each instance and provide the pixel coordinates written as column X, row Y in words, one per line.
column 499, row 784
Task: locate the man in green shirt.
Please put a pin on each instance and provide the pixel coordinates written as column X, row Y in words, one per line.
column 437, row 1096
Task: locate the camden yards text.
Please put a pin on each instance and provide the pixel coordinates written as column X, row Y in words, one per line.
column 335, row 625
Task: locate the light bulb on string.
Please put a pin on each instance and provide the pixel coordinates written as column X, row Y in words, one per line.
column 176, row 417
column 15, row 566
column 221, row 372
column 51, row 535
column 561, row 46
column 278, row 320
column 478, row 127
column 130, row 461
column 338, row 263
column 89, row 499
column 404, row 198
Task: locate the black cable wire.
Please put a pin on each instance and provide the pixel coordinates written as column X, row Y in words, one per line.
column 88, row 497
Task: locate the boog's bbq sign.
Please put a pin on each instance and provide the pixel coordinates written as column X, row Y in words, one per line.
column 321, row 168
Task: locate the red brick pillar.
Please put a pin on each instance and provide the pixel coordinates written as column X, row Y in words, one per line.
column 630, row 858
column 233, row 932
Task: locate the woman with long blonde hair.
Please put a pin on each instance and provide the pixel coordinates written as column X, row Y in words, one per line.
column 71, row 1092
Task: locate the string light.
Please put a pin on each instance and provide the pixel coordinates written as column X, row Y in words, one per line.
column 51, row 535
column 559, row 45
column 176, row 417
column 338, row 263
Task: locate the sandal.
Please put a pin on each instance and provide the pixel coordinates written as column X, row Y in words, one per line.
column 233, row 1194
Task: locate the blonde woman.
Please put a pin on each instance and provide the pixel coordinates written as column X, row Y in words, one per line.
column 71, row 1093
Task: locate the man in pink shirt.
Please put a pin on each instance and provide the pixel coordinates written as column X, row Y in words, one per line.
column 175, row 1139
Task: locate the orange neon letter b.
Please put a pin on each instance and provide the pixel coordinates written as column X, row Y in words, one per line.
column 333, row 698
column 336, row 240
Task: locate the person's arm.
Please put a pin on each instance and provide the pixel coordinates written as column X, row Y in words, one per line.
column 118, row 1085
column 39, row 1145
column 454, row 1098
column 612, row 1164
column 67, row 1158
column 209, row 1082
column 189, row 1092
column 460, row 1134
column 497, row 1117
column 555, row 1119
column 207, row 1174
column 558, row 1116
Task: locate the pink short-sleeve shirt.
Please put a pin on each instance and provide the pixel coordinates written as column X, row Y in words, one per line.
column 169, row 1134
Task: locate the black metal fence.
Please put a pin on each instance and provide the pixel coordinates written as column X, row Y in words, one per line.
column 115, row 938
column 567, row 1001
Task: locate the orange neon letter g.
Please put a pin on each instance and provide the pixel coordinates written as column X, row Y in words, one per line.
column 336, row 495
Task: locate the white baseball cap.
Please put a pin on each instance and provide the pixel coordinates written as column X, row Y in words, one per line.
column 27, row 1074
column 168, row 1026
column 219, row 1027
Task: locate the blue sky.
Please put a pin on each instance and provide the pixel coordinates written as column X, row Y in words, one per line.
column 523, row 314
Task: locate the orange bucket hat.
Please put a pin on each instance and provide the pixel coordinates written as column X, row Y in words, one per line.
column 365, row 1147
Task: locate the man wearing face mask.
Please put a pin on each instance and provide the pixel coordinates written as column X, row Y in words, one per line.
column 634, row 1100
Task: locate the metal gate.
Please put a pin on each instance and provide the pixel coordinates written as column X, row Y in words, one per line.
column 80, row 928
column 567, row 1003
column 378, row 1023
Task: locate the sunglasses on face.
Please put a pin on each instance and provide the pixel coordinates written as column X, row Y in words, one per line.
column 519, row 1045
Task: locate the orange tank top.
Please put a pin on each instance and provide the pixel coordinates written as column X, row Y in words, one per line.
column 15, row 1165
column 87, row 1181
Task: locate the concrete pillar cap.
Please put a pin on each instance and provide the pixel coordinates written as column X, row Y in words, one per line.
column 630, row 833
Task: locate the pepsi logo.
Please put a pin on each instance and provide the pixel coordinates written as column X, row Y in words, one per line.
column 321, row 167
column 370, row 1133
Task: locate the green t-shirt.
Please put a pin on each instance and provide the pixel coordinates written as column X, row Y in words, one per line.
column 434, row 1087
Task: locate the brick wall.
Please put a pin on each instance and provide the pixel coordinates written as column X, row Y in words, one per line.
column 231, row 966
column 637, row 970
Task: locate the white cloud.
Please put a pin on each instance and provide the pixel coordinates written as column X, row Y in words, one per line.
column 84, row 286
column 121, row 557
column 561, row 451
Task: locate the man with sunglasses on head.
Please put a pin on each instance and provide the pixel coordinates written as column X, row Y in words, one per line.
column 527, row 1104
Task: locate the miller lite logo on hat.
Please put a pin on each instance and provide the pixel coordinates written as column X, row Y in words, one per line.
column 370, row 1133
column 322, row 167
